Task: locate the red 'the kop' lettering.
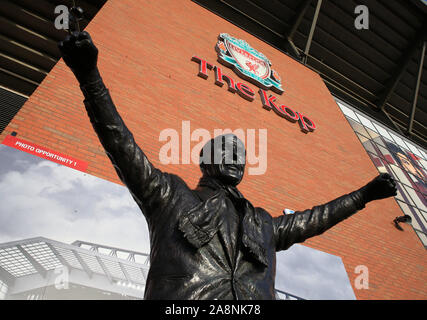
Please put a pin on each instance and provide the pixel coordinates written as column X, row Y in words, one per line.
column 268, row 102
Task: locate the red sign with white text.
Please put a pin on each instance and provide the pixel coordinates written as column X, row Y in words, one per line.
column 45, row 153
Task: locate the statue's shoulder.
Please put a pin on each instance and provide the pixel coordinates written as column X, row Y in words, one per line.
column 265, row 215
column 176, row 182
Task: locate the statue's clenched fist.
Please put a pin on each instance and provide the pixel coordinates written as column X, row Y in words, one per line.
column 381, row 187
column 80, row 54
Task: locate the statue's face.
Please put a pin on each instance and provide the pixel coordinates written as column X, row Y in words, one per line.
column 232, row 173
column 224, row 158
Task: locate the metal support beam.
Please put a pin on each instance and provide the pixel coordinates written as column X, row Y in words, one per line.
column 417, row 87
column 127, row 276
column 59, row 256
column 34, row 263
column 294, row 24
column 392, row 122
column 6, row 277
column 401, row 67
column 85, row 267
column 288, row 296
column 292, row 49
column 144, row 274
column 107, row 273
column 313, row 27
column 301, row 10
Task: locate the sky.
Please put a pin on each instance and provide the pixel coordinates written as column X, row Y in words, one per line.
column 40, row 198
column 312, row 274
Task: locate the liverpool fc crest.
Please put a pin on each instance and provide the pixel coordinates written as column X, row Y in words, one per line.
column 247, row 62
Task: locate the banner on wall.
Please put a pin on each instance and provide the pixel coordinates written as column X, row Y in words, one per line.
column 45, row 153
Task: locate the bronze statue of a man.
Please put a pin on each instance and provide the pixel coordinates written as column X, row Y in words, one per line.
column 207, row 243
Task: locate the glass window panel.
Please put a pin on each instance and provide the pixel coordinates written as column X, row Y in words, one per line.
column 423, row 153
column 347, row 111
column 370, row 147
column 387, row 141
column 415, row 196
column 373, row 134
column 92, row 263
column 413, row 158
column 422, row 237
column 423, row 163
column 413, row 149
column 400, row 174
column 380, row 140
column 383, row 131
column 399, row 195
column 376, row 160
column 424, row 215
column 406, row 209
column 418, row 184
column 366, row 122
column 399, row 154
column 418, row 221
column 362, row 139
column 13, row 261
column 405, row 197
column 382, row 169
column 385, row 154
column 416, row 173
column 399, row 140
column 43, row 255
column 358, row 128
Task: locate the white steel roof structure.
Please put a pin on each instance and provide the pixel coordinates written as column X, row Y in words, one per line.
column 37, row 263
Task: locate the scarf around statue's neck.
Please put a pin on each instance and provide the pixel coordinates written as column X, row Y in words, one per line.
column 252, row 237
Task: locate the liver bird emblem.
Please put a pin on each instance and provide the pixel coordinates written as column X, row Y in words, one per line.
column 252, row 67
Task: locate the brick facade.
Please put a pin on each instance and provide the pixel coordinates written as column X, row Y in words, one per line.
column 145, row 60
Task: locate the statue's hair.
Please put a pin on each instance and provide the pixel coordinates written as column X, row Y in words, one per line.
column 213, row 151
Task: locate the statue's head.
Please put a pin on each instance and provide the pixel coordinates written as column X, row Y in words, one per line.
column 224, row 158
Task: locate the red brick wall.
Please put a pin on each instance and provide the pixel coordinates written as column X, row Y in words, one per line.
column 145, row 59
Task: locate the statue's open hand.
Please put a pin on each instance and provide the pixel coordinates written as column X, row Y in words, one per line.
column 381, row 187
column 80, row 54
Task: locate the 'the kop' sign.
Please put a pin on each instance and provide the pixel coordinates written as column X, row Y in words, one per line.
column 268, row 101
column 253, row 66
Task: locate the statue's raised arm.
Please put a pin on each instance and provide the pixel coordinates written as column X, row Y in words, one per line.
column 301, row 225
column 133, row 167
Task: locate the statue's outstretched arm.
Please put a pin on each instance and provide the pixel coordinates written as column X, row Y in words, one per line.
column 301, row 225
column 148, row 185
